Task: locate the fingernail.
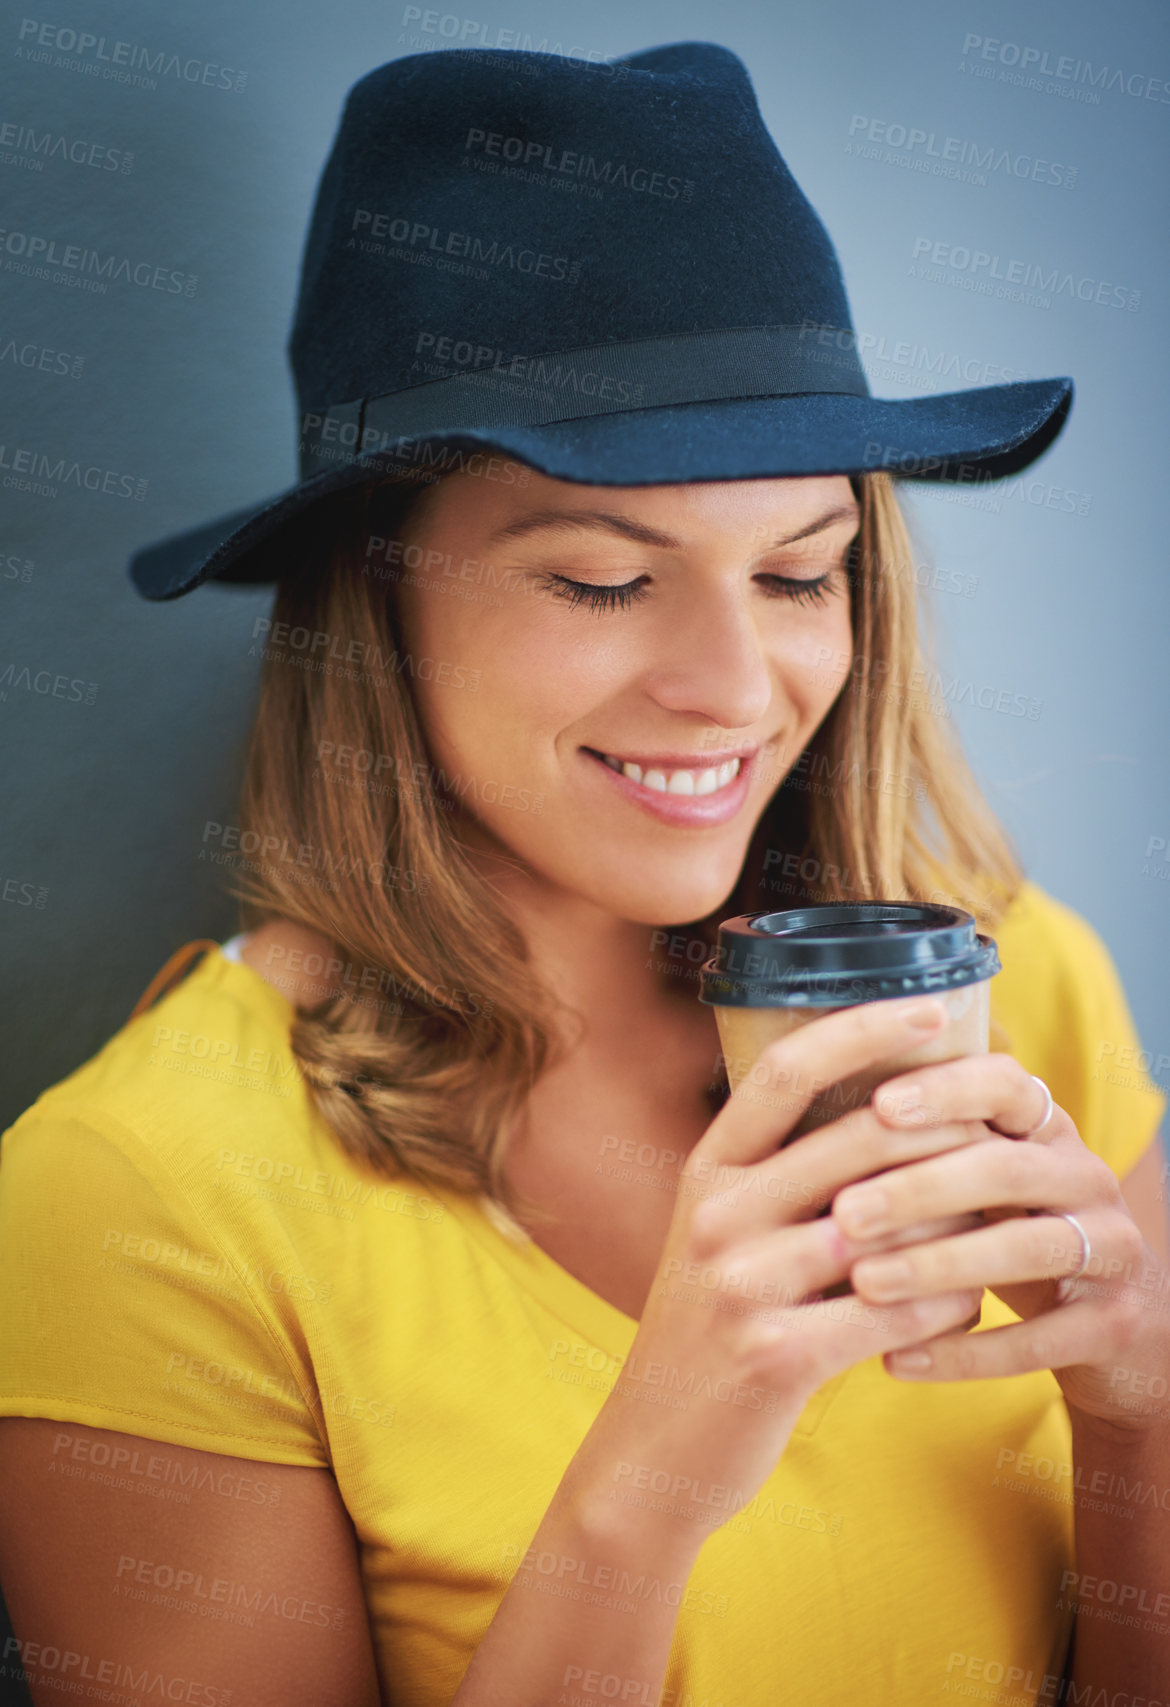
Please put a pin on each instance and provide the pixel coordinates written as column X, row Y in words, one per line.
column 926, row 1016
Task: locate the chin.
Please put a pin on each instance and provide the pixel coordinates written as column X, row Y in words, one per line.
column 628, row 881
column 658, row 896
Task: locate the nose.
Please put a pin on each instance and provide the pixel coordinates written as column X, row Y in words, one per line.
column 711, row 662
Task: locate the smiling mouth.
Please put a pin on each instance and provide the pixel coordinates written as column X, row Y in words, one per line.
column 674, row 779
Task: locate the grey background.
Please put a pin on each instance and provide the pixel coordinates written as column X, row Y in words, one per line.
column 104, row 804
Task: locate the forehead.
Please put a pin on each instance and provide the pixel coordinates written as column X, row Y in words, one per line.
column 696, row 508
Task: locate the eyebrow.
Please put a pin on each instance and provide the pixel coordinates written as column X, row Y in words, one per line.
column 605, row 521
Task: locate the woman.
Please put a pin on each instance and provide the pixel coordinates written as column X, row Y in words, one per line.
column 374, row 1331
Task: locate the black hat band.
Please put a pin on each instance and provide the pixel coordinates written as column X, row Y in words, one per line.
column 599, row 379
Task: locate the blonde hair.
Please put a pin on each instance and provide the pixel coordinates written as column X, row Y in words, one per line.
column 436, row 1027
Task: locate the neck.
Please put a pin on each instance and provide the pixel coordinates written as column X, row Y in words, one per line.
column 616, row 973
column 638, row 1078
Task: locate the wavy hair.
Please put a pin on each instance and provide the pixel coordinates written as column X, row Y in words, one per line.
column 435, row 1026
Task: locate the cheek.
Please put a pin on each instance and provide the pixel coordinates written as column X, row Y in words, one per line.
column 430, row 624
column 533, row 687
column 817, row 658
column 443, row 638
column 438, row 662
column 529, row 685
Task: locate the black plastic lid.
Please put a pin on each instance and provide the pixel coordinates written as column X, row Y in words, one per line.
column 836, row 954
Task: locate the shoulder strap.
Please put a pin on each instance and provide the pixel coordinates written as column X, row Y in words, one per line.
column 177, row 967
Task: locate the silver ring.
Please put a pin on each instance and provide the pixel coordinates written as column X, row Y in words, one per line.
column 1047, row 1111
column 1086, row 1252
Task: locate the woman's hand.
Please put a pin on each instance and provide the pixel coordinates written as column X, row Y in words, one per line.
column 995, row 1157
column 737, row 1322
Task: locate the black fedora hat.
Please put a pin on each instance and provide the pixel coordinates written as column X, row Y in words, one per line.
column 603, row 270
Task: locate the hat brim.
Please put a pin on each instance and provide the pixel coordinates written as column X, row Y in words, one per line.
column 987, row 433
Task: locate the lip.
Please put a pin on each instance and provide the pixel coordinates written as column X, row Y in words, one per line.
column 695, row 810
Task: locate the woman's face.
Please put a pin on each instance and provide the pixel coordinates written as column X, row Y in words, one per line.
column 707, row 639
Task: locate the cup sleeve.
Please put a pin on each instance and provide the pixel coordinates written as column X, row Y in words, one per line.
column 123, row 1306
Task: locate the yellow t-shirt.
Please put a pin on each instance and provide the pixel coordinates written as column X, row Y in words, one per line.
column 187, row 1254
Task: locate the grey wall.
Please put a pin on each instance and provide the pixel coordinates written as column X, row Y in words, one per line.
column 1065, row 598
column 182, row 401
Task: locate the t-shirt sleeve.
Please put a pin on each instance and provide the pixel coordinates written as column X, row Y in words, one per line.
column 124, row 1307
column 1091, row 1055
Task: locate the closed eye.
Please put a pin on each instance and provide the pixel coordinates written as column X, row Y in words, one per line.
column 802, row 590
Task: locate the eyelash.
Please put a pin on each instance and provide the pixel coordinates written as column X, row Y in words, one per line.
column 814, row 592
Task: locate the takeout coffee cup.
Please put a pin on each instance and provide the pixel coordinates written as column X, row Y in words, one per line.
column 774, row 972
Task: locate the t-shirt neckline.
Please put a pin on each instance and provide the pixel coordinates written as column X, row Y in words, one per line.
column 578, row 1306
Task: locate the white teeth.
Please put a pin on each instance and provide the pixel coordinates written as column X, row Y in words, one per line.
column 679, row 781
